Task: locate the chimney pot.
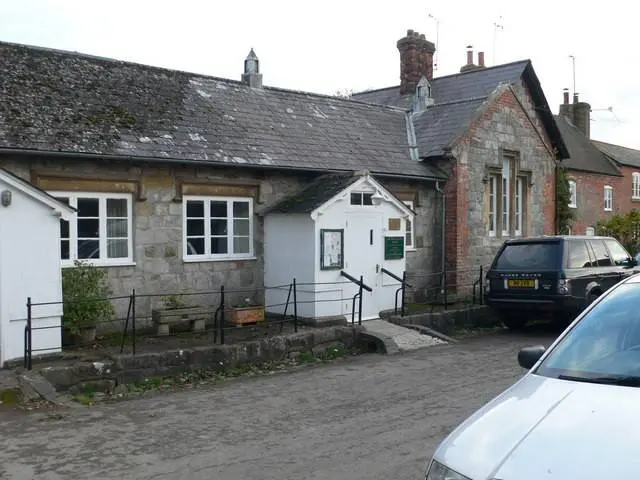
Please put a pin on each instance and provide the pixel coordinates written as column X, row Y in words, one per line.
column 565, row 94
column 470, row 56
column 481, row 59
column 575, row 98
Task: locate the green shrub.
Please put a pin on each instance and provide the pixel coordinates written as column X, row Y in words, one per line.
column 84, row 293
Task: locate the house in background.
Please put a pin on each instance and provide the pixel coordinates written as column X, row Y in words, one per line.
column 595, row 181
column 604, row 178
column 172, row 173
column 492, row 131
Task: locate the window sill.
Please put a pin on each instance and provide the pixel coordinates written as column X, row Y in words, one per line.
column 608, row 209
column 124, row 263
column 412, row 249
column 223, row 259
column 573, row 206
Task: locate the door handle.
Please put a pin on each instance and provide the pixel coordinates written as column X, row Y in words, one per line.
column 377, row 267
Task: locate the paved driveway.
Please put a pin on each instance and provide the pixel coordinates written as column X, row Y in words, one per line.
column 370, row 418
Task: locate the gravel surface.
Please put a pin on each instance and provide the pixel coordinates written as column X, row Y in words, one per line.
column 370, row 417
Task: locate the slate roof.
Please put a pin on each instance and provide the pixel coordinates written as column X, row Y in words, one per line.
column 321, row 190
column 56, row 101
column 463, row 93
column 438, row 125
column 452, row 88
column 583, row 154
column 623, row 155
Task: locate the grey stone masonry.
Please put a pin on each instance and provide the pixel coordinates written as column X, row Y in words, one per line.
column 158, row 267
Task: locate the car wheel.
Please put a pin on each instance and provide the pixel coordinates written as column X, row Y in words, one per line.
column 592, row 297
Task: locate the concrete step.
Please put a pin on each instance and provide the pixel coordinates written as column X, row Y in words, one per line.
column 399, row 339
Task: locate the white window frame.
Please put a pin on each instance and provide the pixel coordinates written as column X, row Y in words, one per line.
column 608, row 198
column 102, row 237
column 410, row 221
column 208, row 256
column 519, row 205
column 506, row 196
column 573, row 192
column 590, row 232
column 635, row 186
column 493, row 205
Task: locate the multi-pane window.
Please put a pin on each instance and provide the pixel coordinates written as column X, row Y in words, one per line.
column 361, row 198
column 100, row 233
column 493, row 204
column 573, row 194
column 409, row 242
column 608, row 198
column 218, row 228
column 518, row 204
column 507, row 200
column 635, row 186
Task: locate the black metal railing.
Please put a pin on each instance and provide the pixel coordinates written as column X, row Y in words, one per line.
column 357, row 296
column 403, row 286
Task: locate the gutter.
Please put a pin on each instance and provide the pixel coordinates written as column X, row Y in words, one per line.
column 170, row 160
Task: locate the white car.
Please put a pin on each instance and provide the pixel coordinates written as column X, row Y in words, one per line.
column 575, row 415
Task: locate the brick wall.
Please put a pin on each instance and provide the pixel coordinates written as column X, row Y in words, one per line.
column 509, row 122
column 590, row 198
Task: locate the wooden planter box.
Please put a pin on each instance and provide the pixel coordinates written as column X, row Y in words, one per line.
column 247, row 315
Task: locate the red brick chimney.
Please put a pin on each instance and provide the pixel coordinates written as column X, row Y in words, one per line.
column 470, row 65
column 481, row 59
column 416, row 60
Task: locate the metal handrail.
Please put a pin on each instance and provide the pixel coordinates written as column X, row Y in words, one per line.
column 356, row 281
column 404, row 284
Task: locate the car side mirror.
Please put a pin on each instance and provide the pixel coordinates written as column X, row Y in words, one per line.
column 528, row 356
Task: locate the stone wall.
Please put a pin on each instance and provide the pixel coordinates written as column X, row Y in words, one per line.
column 508, row 123
column 130, row 368
column 158, row 266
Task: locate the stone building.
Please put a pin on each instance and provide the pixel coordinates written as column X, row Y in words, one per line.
column 170, row 172
column 604, row 179
column 492, row 131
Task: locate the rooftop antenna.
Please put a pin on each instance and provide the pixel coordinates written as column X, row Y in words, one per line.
column 496, row 26
column 435, row 59
column 608, row 109
column 573, row 61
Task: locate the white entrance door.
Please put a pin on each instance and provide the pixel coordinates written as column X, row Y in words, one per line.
column 363, row 254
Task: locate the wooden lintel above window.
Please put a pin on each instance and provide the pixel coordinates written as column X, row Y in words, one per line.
column 218, row 188
column 81, row 183
column 407, row 196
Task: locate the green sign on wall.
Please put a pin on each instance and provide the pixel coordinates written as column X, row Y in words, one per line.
column 393, row 248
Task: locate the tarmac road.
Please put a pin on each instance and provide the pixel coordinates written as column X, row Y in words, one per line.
column 369, row 418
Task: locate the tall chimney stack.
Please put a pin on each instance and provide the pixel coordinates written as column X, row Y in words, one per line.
column 577, row 113
column 481, row 59
column 470, row 65
column 416, row 60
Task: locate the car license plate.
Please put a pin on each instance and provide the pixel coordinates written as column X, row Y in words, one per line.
column 521, row 283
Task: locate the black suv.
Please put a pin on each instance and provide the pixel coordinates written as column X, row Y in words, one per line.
column 555, row 276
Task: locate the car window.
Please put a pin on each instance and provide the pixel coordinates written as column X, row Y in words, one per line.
column 600, row 252
column 606, row 342
column 619, row 255
column 529, row 256
column 578, row 256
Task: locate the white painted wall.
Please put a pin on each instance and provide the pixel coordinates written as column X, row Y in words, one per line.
column 289, row 246
column 29, row 266
column 384, row 287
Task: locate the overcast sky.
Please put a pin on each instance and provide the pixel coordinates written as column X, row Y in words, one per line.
column 335, row 44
